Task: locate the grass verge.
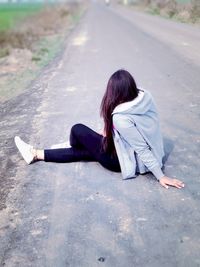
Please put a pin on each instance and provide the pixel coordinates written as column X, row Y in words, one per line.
column 32, row 43
column 182, row 10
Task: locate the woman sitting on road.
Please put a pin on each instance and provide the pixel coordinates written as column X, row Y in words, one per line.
column 132, row 143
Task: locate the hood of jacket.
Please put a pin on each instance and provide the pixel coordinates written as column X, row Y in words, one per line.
column 141, row 105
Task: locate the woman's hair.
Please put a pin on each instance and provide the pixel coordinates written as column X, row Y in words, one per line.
column 121, row 88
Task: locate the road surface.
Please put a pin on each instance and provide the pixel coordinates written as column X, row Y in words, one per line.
column 80, row 214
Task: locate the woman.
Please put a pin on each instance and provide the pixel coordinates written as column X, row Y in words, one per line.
column 131, row 143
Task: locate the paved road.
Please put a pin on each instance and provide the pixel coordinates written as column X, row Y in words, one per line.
column 80, row 214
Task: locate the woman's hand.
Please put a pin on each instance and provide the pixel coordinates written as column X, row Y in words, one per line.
column 165, row 181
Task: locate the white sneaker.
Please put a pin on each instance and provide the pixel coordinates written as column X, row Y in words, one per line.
column 25, row 150
column 62, row 145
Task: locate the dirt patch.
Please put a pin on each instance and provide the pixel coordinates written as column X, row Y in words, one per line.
column 32, row 44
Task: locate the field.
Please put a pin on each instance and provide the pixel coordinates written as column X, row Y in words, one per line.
column 10, row 14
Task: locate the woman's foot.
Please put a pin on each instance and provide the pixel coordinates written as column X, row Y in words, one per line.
column 27, row 151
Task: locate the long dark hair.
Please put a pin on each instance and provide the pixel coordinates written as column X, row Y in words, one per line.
column 121, row 88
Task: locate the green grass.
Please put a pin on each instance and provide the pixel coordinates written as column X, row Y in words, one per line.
column 47, row 48
column 10, row 14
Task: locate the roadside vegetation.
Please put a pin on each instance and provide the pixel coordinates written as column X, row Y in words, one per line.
column 12, row 13
column 182, row 10
column 30, row 37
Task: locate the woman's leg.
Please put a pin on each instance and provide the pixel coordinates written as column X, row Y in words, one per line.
column 86, row 145
column 79, row 136
column 30, row 154
column 66, row 155
column 85, row 138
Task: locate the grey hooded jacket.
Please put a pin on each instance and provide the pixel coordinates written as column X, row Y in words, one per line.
column 137, row 136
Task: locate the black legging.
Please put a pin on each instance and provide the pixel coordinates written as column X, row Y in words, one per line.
column 86, row 145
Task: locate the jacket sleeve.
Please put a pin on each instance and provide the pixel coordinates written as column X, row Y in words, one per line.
column 129, row 132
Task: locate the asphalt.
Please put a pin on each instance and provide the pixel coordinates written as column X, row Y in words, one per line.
column 80, row 214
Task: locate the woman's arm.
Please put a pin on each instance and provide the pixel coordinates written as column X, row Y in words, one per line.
column 129, row 132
